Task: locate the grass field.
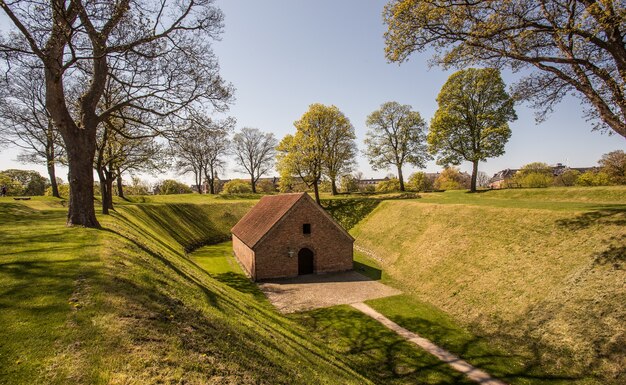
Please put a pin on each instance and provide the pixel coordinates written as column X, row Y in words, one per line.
column 539, row 273
column 124, row 305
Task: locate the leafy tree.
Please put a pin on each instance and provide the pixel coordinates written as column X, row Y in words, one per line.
column 236, row 186
column 573, row 46
column 396, row 137
column 451, row 178
column 158, row 55
column 567, row 178
column 419, row 181
column 471, row 122
column 27, row 124
column 349, row 183
column 255, row 152
column 389, row 185
column 323, row 145
column 171, row 186
column 534, row 174
column 23, row 182
column 614, row 165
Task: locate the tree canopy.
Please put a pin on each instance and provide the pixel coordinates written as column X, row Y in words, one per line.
column 471, row 122
column 157, row 55
column 396, row 137
column 561, row 46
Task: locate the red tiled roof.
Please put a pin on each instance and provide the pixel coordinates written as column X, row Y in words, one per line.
column 263, row 216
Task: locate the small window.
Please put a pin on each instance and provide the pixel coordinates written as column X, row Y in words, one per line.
column 306, row 228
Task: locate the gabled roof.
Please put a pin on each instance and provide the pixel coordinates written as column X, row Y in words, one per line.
column 267, row 213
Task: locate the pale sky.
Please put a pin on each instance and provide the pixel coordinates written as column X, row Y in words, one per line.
column 282, row 56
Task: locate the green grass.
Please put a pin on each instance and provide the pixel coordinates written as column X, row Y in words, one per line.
column 374, row 351
column 125, row 305
column 539, row 273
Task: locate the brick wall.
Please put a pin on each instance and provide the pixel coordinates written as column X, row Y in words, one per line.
column 332, row 249
column 245, row 256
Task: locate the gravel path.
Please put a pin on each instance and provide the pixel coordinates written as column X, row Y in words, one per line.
column 314, row 291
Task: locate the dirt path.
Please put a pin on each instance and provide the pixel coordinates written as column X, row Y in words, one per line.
column 308, row 292
column 455, row 362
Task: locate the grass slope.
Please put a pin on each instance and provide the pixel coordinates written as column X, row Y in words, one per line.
column 539, row 272
column 124, row 305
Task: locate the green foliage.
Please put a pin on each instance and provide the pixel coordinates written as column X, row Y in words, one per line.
column 170, row 186
column 451, row 178
column 64, row 190
column 23, row 182
column 387, row 186
column 471, row 122
column 349, row 183
column 419, row 181
column 396, row 136
column 534, row 175
column 236, row 186
column 614, row 166
column 137, row 187
column 266, row 186
column 567, row 178
column 593, row 178
column 323, row 145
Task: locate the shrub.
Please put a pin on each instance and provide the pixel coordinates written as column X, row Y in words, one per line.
column 534, row 174
column 265, row 186
column 236, row 186
column 64, row 190
column 170, row 186
column 452, row 179
column 614, row 166
column 419, row 181
column 593, row 178
column 390, row 185
column 23, row 182
column 567, row 178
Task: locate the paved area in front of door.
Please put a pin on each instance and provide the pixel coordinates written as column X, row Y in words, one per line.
column 313, row 291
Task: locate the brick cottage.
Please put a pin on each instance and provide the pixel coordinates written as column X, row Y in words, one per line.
column 288, row 235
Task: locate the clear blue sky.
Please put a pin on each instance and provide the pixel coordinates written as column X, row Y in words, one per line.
column 282, row 56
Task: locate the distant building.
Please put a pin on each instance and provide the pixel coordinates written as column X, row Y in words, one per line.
column 287, row 235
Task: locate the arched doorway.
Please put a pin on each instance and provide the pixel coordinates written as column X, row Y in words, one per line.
column 305, row 261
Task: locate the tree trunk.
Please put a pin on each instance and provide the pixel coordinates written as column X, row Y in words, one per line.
column 333, row 187
column 109, row 197
column 400, row 178
column 80, row 154
column 103, row 192
column 120, row 186
column 212, row 186
column 474, row 176
column 53, row 178
column 253, row 183
column 317, row 193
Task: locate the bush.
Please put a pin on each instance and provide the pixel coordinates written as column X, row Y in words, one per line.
column 567, row 178
column 390, row 185
column 236, row 186
column 593, row 178
column 265, row 186
column 64, row 190
column 614, row 166
column 451, row 178
column 23, row 182
column 170, row 186
column 419, row 181
column 535, row 179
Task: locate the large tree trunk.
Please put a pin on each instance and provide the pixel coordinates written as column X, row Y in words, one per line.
column 80, row 154
column 400, row 178
column 317, row 192
column 103, row 192
column 474, row 176
column 120, row 185
column 333, row 186
column 109, row 197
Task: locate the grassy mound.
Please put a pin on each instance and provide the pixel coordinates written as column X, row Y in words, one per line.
column 540, row 272
column 124, row 305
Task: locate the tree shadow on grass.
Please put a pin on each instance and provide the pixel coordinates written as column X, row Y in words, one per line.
column 368, row 271
column 349, row 212
column 603, row 215
column 376, row 352
column 240, row 283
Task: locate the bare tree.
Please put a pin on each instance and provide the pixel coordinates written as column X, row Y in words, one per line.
column 254, row 152
column 158, row 54
column 202, row 149
column 574, row 46
column 27, row 124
